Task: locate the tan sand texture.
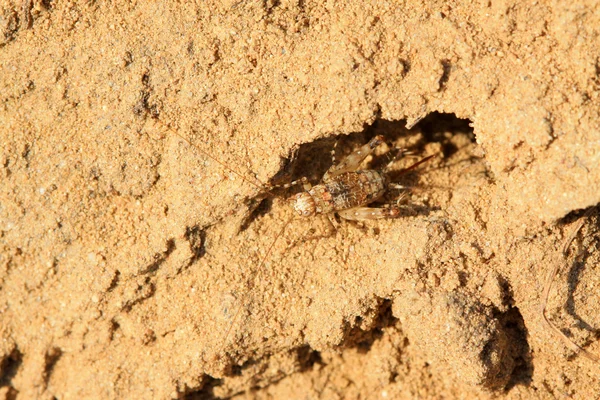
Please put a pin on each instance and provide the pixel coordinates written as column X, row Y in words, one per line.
column 135, row 263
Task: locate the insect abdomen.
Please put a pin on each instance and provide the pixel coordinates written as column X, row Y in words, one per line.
column 349, row 190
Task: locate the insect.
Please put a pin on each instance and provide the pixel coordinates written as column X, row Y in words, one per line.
column 345, row 190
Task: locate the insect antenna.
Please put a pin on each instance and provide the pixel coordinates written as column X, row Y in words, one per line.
column 397, row 174
column 260, row 185
column 565, row 250
column 244, row 301
column 265, row 190
column 415, row 165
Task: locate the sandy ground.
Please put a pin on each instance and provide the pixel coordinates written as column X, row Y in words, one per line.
column 139, row 258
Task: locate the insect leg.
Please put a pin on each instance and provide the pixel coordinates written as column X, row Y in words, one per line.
column 352, row 162
column 333, row 161
column 397, row 186
column 333, row 221
column 303, row 181
column 367, row 213
column 401, row 153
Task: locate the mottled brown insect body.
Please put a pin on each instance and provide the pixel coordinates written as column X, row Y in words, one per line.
column 349, row 190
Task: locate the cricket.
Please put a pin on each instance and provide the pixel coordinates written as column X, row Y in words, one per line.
column 345, row 191
column 352, row 192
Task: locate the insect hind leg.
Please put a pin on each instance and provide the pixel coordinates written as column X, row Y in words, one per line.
column 353, row 160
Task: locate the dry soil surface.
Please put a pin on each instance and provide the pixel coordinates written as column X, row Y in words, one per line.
column 141, row 259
